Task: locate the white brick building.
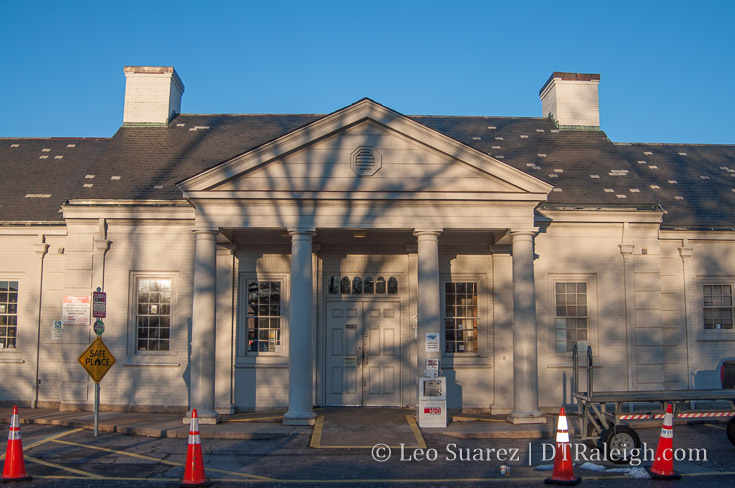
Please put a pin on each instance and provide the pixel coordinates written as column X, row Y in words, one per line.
column 272, row 261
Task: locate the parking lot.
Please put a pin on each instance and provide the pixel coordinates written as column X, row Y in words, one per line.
column 62, row 456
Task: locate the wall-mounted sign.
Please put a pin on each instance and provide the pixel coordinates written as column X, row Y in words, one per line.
column 75, row 311
column 432, row 342
column 56, row 328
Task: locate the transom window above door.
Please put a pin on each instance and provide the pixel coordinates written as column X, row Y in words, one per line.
column 362, row 285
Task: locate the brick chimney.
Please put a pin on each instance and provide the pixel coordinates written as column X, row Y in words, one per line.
column 572, row 100
column 152, row 95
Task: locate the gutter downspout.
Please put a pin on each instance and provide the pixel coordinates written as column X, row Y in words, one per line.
column 40, row 248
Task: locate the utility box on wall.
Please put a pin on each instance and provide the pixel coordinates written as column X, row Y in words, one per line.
column 432, row 402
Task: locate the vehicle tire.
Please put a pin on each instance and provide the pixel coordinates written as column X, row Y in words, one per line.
column 592, row 431
column 617, row 443
column 731, row 430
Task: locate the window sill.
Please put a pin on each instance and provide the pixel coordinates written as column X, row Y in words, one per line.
column 459, row 362
column 12, row 360
column 150, row 362
column 570, row 365
column 716, row 335
column 259, row 364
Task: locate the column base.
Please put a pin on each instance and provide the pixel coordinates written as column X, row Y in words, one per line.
column 526, row 418
column 299, row 418
column 204, row 417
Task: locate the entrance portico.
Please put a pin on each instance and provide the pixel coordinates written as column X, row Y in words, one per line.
column 367, row 169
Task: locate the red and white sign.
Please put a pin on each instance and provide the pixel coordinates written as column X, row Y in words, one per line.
column 75, row 311
column 433, row 410
column 99, row 304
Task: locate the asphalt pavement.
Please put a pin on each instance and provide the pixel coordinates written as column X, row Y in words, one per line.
column 362, row 448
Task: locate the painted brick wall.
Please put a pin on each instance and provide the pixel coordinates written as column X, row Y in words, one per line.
column 151, row 97
column 574, row 103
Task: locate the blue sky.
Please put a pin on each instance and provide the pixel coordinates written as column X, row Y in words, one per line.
column 667, row 68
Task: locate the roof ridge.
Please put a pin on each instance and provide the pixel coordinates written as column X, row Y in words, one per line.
column 54, row 138
column 669, row 144
column 250, row 115
column 497, row 117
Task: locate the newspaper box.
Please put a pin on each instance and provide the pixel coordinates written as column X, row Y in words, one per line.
column 432, row 408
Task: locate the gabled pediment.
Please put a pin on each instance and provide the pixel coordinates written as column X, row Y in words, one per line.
column 366, row 149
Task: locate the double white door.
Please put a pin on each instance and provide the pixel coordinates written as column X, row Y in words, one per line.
column 363, row 360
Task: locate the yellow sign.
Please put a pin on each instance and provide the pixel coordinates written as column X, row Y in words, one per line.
column 97, row 359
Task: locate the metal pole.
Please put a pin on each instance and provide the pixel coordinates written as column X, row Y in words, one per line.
column 575, row 369
column 96, row 408
column 589, row 371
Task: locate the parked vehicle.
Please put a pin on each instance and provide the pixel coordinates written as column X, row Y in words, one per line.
column 727, row 374
column 727, row 379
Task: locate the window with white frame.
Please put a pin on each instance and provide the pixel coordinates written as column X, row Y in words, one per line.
column 264, row 316
column 717, row 306
column 8, row 314
column 461, row 315
column 153, row 313
column 571, row 316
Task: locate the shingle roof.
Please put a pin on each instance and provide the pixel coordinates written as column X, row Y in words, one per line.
column 695, row 184
column 584, row 166
column 151, row 160
column 38, row 175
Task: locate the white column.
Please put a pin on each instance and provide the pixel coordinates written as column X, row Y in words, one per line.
column 300, row 377
column 525, row 360
column 429, row 313
column 203, row 326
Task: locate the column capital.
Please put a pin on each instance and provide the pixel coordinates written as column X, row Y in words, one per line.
column 205, row 230
column 529, row 231
column 301, row 231
column 427, row 233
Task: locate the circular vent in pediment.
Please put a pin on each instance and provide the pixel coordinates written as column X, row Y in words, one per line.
column 365, row 161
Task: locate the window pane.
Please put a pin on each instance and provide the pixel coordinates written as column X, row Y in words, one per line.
column 369, row 286
column 380, row 285
column 571, row 321
column 333, row 285
column 357, row 285
column 154, row 314
column 718, row 306
column 460, row 324
column 263, row 320
column 392, row 285
column 8, row 313
column 345, row 286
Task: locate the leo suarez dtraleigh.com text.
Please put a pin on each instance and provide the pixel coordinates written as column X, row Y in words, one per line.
column 579, row 453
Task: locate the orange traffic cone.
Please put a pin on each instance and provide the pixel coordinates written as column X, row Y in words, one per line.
column 663, row 463
column 194, row 468
column 563, row 473
column 15, row 467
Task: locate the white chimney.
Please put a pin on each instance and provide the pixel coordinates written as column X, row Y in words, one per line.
column 152, row 95
column 572, row 100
